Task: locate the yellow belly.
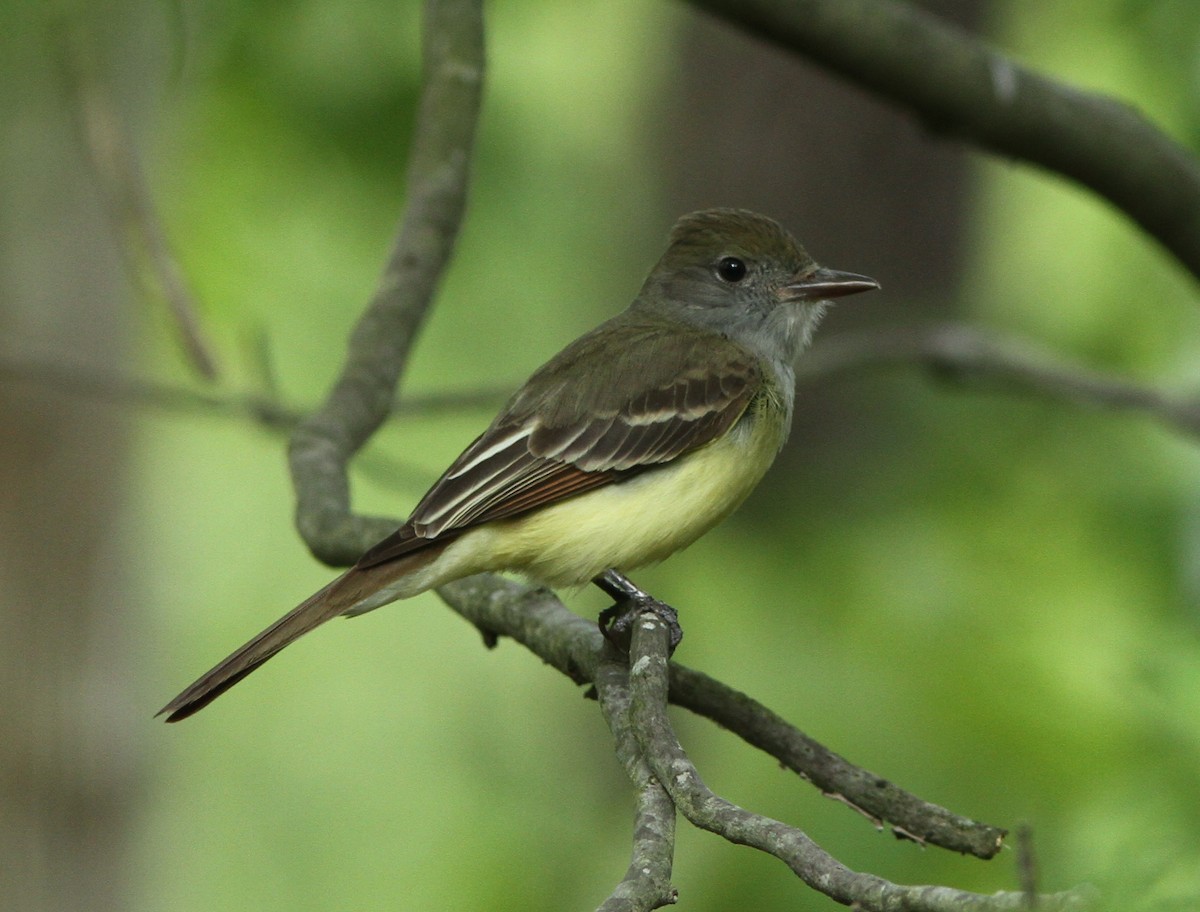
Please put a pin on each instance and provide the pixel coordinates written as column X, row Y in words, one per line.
column 628, row 524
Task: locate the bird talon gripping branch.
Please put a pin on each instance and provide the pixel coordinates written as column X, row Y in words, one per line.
column 616, row 622
column 630, row 603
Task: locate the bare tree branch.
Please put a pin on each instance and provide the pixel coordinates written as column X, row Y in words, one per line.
column 979, row 357
column 541, row 623
column 647, row 881
column 957, row 85
column 361, row 399
column 966, row 354
column 879, row 800
column 649, row 685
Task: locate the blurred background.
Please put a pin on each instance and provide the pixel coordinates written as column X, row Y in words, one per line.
column 990, row 600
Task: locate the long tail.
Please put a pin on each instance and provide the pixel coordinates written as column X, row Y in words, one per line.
column 353, row 588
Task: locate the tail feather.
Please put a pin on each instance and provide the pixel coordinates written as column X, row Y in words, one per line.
column 309, row 614
column 349, row 590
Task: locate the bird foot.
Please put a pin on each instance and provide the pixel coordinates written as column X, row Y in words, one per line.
column 616, row 622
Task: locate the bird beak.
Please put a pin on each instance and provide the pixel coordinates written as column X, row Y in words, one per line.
column 824, row 283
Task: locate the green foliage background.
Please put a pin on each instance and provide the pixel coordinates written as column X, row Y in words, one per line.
column 1001, row 616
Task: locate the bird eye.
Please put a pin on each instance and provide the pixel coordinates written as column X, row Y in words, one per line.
column 731, row 269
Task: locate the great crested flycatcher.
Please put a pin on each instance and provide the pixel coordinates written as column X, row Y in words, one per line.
column 629, row 444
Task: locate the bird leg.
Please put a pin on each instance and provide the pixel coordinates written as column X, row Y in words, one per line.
column 629, row 601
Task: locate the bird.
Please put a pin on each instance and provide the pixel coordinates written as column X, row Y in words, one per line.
column 625, row 447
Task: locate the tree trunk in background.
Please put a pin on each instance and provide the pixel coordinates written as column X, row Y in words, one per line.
column 70, row 760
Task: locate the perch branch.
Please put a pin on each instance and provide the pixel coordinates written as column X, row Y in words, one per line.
column 647, row 881
column 540, row 622
column 649, row 684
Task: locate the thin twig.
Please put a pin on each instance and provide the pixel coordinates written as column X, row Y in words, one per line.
column 142, row 239
column 1027, row 873
column 266, row 410
column 955, row 84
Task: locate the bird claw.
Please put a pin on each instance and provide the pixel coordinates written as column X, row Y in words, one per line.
column 616, row 621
